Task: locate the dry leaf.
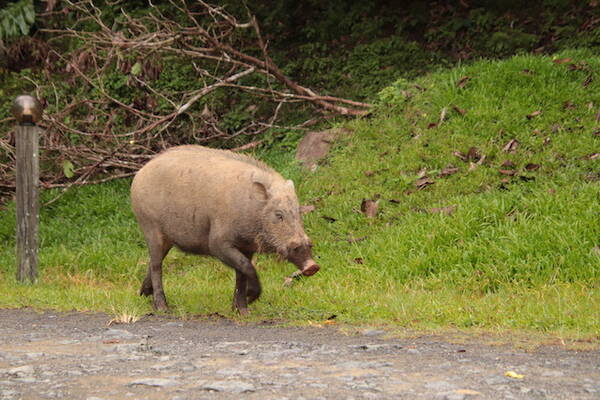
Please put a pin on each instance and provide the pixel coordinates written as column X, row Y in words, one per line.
column 463, row 81
column 473, row 154
column 459, row 110
column 448, row 210
column 359, row 260
column 598, row 116
column 355, row 240
column 443, row 114
column 507, row 164
column 509, row 172
column 511, row 146
column 532, row 167
column 569, row 105
column 525, row 178
column 369, row 208
column 460, row 155
column 306, row 209
column 423, row 183
column 432, row 125
column 50, row 4
column 474, row 165
column 369, row 173
column 534, row 114
column 151, row 103
column 449, row 170
column 513, row 374
column 546, row 141
column 588, row 80
column 562, row 60
column 594, row 156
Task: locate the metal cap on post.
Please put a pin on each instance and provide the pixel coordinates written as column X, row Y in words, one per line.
column 27, row 110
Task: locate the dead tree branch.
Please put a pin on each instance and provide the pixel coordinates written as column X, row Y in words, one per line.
column 121, row 111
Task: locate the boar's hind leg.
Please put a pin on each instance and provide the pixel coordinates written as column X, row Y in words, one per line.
column 158, row 247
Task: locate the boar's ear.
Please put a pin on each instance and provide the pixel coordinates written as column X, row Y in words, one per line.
column 259, row 189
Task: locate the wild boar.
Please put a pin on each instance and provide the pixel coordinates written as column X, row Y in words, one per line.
column 218, row 203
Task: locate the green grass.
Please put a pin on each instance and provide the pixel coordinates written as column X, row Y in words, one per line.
column 518, row 253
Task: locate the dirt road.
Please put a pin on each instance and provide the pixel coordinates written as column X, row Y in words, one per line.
column 77, row 356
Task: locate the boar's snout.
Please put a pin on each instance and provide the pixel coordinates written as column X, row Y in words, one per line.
column 311, row 269
column 300, row 254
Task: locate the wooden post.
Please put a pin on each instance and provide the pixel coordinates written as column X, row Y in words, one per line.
column 27, row 110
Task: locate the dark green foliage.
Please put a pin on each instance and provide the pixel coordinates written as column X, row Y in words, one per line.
column 16, row 18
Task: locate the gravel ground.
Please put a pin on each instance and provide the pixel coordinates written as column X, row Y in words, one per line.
column 77, row 356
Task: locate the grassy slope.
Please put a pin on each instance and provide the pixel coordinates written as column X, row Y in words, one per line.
column 513, row 255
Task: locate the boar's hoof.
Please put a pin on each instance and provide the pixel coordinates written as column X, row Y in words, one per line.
column 160, row 304
column 146, row 289
column 243, row 312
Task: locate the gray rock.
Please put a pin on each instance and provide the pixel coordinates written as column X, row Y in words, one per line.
column 318, row 385
column 230, row 372
column 231, row 386
column 459, row 395
column 69, row 341
column 118, row 334
column 27, row 379
column 315, row 146
column 156, row 382
column 7, row 394
column 20, row 372
column 188, row 368
column 440, row 385
column 495, row 380
column 452, row 396
column 372, row 332
column 376, row 347
column 163, row 366
column 553, row 373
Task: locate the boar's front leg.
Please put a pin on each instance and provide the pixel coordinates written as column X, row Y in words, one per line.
column 240, row 299
column 247, row 285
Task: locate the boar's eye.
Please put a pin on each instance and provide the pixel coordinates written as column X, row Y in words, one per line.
column 279, row 215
